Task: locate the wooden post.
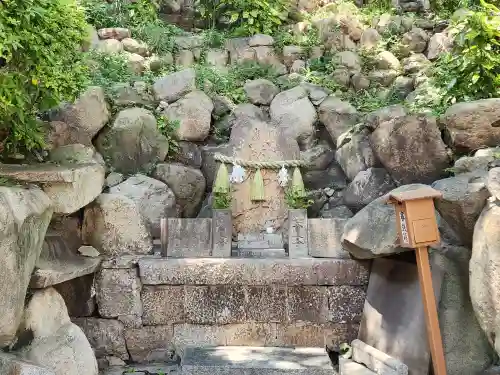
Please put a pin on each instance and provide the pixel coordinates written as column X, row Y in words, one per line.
column 431, row 316
column 417, row 228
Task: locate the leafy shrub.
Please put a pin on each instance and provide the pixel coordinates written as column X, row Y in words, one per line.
column 169, row 128
column 244, row 17
column 295, row 200
column 41, row 64
column 119, row 13
column 108, row 69
column 308, row 39
column 158, row 35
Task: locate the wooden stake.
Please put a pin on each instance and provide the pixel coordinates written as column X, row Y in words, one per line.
column 431, row 316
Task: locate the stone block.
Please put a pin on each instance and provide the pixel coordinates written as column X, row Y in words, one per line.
column 150, row 343
column 266, row 303
column 237, row 360
column 324, row 238
column 345, row 303
column 297, row 234
column 189, row 238
column 163, row 304
column 216, row 304
column 198, row 335
column 314, row 334
column 377, row 361
column 260, row 240
column 118, row 293
column 259, row 253
column 307, row 303
column 222, row 233
column 250, row 334
column 79, row 296
column 12, row 365
column 393, row 312
column 349, row 367
column 124, row 261
column 106, row 336
column 213, row 271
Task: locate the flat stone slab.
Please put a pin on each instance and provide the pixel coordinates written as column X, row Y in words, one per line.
column 58, row 263
column 349, row 367
column 260, row 241
column 149, row 369
column 259, row 253
column 189, row 238
column 12, row 365
column 43, row 173
column 376, row 360
column 241, row 360
column 241, row 271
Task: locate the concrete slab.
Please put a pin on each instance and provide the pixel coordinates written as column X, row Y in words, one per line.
column 259, row 253
column 349, row 367
column 376, row 360
column 241, row 360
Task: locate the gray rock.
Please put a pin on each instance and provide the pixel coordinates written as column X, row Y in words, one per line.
column 383, row 77
column 467, row 350
column 189, row 154
column 298, row 66
column 123, row 94
column 222, row 105
column 188, row 41
column 318, row 157
column 114, row 225
column 493, row 182
column 133, row 142
column 184, row 58
column 415, row 63
column 367, row 186
column 411, row 150
column 113, row 179
column 217, row 57
column 379, row 236
column 194, row 112
column 75, row 154
column 377, row 117
column 349, row 60
column 464, row 197
column 438, row 43
column 342, row 212
column 57, row 344
column 25, row 217
column 188, row 185
column 174, row 86
column 360, row 82
column 414, row 40
column 402, row 86
column 261, row 40
column 261, row 91
column 110, row 46
column 210, row 165
column 292, row 53
column 292, row 111
column 356, row 154
column 114, row 33
column 134, row 46
column 386, row 60
column 337, row 116
column 332, row 177
column 11, row 364
column 78, row 295
column 154, row 199
column 369, row 39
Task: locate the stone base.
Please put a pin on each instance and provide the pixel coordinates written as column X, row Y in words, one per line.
column 240, row 360
column 149, row 369
column 349, row 367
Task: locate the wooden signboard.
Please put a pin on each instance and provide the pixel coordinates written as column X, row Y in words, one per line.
column 418, row 229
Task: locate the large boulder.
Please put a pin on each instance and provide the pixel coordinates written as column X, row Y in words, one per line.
column 81, row 120
column 464, row 197
column 467, row 350
column 153, row 198
column 188, row 185
column 411, row 149
column 261, row 91
column 75, row 153
column 338, row 116
column 483, row 272
column 355, row 154
column 114, row 225
column 69, row 186
column 133, row 142
column 293, row 112
column 438, row 44
column 174, row 86
column 24, row 219
column 194, row 113
column 473, row 125
column 14, row 365
column 57, row 344
column 210, row 165
column 372, row 232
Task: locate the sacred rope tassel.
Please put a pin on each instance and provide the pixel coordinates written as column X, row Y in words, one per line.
column 221, row 184
column 257, row 188
column 283, row 176
column 297, row 183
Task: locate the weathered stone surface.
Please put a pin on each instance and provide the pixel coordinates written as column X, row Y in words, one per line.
column 260, row 241
column 302, row 334
column 163, row 304
column 222, row 230
column 68, row 187
column 86, row 116
column 259, row 253
column 355, row 154
column 188, row 185
column 345, row 303
column 12, row 365
column 57, row 344
column 58, row 263
column 483, row 276
column 473, row 125
column 414, row 40
column 113, row 33
column 393, row 312
column 349, row 367
column 254, row 139
column 174, row 86
column 210, row 165
column 378, row 236
column 134, row 46
column 332, row 177
column 106, row 336
column 377, row 117
column 149, row 343
column 467, row 351
column 438, row 43
column 188, row 154
column 292, row 111
column 126, row 95
column 133, row 142
column 318, row 157
column 324, row 238
column 464, row 197
column 493, row 182
column 78, row 295
column 369, row 39
column 366, row 187
column 24, row 219
column 114, row 226
column 153, row 199
column 110, row 46
column 213, row 271
column 75, row 153
column 261, row 91
column 338, row 116
column 411, row 149
column 297, row 234
column 118, row 293
column 376, row 360
column 194, row 112
column 307, row 303
column 189, row 238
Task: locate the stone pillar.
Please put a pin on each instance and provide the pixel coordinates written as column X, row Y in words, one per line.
column 297, row 234
column 222, row 232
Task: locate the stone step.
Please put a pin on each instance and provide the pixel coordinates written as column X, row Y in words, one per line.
column 246, row 360
column 259, row 253
column 349, row 367
column 147, row 369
